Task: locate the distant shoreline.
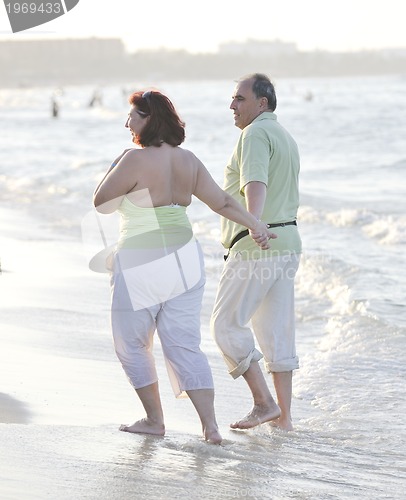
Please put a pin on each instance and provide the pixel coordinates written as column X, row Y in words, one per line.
column 105, row 61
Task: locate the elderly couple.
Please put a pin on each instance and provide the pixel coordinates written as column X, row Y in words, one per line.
column 157, row 277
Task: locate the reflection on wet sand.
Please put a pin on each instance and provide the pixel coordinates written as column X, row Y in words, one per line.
column 13, row 411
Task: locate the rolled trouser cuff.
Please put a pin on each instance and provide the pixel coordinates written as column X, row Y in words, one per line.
column 283, row 365
column 243, row 365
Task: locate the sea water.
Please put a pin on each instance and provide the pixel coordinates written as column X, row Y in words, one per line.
column 57, row 357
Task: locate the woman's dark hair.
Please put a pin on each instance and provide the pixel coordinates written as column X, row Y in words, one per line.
column 164, row 124
column 263, row 87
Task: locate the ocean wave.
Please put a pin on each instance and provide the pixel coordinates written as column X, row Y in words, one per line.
column 385, row 229
column 349, row 217
column 324, row 287
column 344, row 217
column 395, row 166
column 347, row 345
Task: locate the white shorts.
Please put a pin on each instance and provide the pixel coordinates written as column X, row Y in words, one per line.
column 260, row 291
column 177, row 322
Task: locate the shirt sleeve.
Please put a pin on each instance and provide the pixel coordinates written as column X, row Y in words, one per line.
column 255, row 155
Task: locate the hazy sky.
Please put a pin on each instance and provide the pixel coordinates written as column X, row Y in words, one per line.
column 336, row 25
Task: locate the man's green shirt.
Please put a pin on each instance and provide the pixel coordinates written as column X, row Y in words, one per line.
column 266, row 153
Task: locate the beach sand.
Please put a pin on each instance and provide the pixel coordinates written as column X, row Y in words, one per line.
column 63, row 393
column 63, row 396
column 13, row 411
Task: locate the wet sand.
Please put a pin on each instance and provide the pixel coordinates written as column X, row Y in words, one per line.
column 13, row 411
column 64, row 394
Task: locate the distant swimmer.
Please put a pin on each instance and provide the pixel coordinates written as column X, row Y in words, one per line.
column 54, row 108
column 308, row 96
column 96, row 99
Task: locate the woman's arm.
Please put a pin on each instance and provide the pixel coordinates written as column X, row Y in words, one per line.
column 114, row 185
column 208, row 191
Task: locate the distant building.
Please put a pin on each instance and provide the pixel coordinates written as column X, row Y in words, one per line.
column 29, row 61
column 79, row 49
column 394, row 52
column 258, row 48
column 101, row 61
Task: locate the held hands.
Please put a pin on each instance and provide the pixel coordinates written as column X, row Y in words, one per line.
column 261, row 235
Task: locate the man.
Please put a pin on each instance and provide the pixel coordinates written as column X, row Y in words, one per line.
column 258, row 285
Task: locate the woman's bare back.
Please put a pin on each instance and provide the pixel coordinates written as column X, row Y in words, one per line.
column 164, row 175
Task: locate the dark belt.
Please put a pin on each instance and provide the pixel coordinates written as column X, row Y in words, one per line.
column 244, row 233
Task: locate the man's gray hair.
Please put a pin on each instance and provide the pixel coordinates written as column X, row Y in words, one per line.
column 263, row 87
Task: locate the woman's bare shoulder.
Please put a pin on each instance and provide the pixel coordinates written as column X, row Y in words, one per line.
column 134, row 153
column 188, row 155
column 131, row 156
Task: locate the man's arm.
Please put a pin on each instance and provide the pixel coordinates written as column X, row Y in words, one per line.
column 222, row 203
column 255, row 195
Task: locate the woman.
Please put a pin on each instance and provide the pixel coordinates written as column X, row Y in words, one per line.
column 158, row 273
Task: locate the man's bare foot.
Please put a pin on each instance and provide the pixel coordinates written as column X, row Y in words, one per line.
column 258, row 415
column 213, row 436
column 144, row 426
column 284, row 424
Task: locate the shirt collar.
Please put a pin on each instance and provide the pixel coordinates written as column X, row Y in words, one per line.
column 266, row 115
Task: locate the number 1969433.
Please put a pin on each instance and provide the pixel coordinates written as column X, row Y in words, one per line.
column 33, row 8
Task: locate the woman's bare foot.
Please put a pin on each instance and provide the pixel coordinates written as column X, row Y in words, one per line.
column 258, row 415
column 144, row 426
column 213, row 436
column 284, row 424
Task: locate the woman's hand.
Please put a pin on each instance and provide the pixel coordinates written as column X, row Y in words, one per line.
column 261, row 235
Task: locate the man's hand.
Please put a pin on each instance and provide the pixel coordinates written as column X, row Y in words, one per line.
column 261, row 235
